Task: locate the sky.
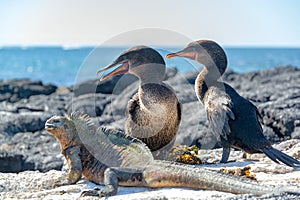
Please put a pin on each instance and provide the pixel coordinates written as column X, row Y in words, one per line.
column 165, row 22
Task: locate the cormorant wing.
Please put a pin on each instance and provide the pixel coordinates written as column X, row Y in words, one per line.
column 258, row 116
column 218, row 106
column 179, row 111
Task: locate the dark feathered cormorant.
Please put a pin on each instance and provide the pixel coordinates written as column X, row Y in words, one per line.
column 232, row 118
column 153, row 114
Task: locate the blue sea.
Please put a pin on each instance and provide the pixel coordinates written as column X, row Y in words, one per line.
column 68, row 66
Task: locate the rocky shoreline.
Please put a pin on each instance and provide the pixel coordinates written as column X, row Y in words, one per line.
column 26, row 105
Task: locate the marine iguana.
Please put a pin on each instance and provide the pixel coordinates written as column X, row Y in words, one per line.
column 110, row 157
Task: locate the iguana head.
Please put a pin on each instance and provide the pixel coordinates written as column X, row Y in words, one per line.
column 64, row 130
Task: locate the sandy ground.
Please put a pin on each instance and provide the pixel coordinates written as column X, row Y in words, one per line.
column 37, row 185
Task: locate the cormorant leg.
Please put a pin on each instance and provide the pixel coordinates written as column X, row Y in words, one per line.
column 225, row 154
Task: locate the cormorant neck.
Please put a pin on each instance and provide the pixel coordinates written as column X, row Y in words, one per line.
column 209, row 76
column 147, row 95
column 146, row 79
column 201, row 84
column 152, row 97
column 150, row 73
column 212, row 70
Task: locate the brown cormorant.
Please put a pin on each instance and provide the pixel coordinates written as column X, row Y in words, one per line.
column 153, row 114
column 232, row 118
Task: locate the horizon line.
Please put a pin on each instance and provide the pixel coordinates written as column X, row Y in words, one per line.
column 130, row 45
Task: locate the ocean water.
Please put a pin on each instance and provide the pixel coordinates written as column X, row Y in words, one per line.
column 66, row 67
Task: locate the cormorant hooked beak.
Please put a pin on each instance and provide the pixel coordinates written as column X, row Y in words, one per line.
column 186, row 53
column 122, row 69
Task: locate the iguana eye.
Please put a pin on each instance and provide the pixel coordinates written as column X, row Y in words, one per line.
column 66, row 126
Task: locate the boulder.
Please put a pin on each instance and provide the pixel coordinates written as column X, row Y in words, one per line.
column 30, row 151
column 14, row 90
column 92, row 104
column 107, row 86
column 12, row 123
column 30, row 115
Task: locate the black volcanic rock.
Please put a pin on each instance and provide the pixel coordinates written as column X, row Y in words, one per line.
column 12, row 163
column 92, row 104
column 111, row 85
column 14, row 90
column 30, row 151
column 30, row 115
column 12, row 123
column 25, row 146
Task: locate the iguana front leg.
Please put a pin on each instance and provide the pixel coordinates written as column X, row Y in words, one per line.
column 117, row 176
column 75, row 167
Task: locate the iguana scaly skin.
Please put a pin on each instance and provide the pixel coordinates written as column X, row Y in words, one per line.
column 109, row 157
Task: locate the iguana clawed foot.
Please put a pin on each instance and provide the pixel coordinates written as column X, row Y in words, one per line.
column 106, row 191
column 94, row 192
column 61, row 181
column 59, row 184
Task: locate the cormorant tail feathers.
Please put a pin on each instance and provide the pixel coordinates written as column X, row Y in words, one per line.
column 277, row 156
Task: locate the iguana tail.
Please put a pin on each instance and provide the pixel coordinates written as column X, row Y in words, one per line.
column 169, row 174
